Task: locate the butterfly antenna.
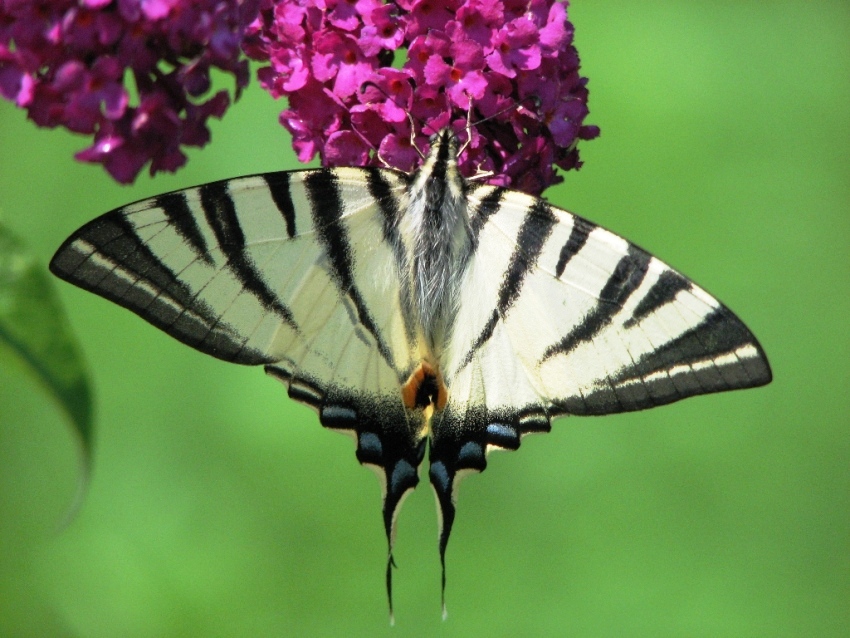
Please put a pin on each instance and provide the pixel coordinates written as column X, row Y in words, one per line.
column 470, row 124
column 413, row 122
column 468, row 128
column 515, row 105
column 413, row 135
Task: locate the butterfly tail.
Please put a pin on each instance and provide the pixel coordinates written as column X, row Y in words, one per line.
column 396, row 462
column 459, row 447
column 452, row 457
column 399, row 479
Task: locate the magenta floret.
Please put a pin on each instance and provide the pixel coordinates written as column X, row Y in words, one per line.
column 509, row 60
column 134, row 74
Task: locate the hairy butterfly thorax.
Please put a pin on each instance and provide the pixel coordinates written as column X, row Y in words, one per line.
column 437, row 225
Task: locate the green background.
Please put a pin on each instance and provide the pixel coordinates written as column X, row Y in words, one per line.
column 218, row 507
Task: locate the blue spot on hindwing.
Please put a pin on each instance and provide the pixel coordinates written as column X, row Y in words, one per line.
column 404, row 476
column 338, row 417
column 370, row 444
column 470, row 455
column 440, row 476
column 503, row 435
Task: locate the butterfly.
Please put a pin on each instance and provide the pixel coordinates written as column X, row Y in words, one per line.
column 407, row 308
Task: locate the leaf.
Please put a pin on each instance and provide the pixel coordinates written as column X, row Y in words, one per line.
column 33, row 327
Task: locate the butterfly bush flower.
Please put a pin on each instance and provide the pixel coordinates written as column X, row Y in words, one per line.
column 507, row 66
column 134, row 74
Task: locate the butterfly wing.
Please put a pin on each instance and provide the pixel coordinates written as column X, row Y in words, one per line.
column 569, row 318
column 297, row 271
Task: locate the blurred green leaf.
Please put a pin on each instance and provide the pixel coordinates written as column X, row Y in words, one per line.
column 33, row 327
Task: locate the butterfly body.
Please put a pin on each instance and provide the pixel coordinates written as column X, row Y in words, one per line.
column 406, row 308
column 435, row 222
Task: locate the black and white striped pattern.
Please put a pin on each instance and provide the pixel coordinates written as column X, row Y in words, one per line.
column 407, row 307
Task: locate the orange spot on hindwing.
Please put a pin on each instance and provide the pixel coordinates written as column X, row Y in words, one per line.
column 424, row 389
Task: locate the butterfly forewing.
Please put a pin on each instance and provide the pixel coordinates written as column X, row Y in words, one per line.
column 598, row 325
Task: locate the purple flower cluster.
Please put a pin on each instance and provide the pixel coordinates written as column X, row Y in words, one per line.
column 507, row 66
column 510, row 61
column 66, row 62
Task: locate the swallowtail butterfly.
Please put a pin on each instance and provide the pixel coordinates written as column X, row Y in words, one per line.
column 406, row 308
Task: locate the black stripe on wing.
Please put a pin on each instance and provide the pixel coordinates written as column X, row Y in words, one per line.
column 391, row 213
column 669, row 284
column 107, row 257
column 578, row 238
column 224, row 221
column 278, row 184
column 625, row 279
column 488, row 206
column 176, row 208
column 328, row 207
column 689, row 360
column 718, row 354
column 535, row 230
